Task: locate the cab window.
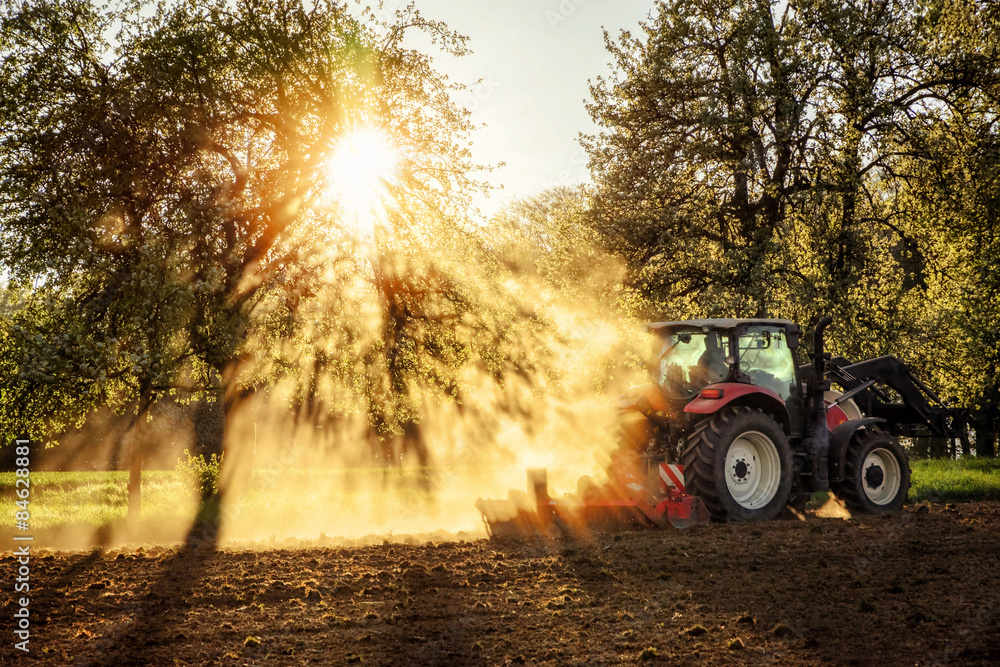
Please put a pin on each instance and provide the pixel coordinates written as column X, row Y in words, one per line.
column 766, row 358
column 690, row 361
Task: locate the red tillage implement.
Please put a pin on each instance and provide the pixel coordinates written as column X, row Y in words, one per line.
column 631, row 499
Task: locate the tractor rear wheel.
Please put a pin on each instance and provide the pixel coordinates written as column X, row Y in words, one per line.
column 740, row 464
column 876, row 474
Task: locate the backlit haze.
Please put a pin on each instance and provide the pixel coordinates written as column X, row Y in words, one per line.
column 313, row 472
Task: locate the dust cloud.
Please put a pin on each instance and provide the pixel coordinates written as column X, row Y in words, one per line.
column 369, row 446
column 833, row 508
column 388, row 384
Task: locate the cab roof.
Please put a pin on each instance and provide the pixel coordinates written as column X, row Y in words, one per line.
column 722, row 323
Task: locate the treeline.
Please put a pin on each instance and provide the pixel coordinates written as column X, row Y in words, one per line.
column 758, row 158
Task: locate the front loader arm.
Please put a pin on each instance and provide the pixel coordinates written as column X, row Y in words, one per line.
column 920, row 406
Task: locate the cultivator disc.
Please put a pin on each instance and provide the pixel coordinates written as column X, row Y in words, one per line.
column 521, row 514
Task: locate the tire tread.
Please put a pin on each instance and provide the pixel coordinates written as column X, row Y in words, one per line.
column 852, row 493
column 700, row 453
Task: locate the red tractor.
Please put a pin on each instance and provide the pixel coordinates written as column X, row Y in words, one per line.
column 753, row 432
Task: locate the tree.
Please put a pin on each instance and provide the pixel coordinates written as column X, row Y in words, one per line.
column 163, row 176
column 953, row 195
column 884, row 77
column 572, row 286
column 811, row 162
column 746, row 155
column 706, row 138
column 545, row 238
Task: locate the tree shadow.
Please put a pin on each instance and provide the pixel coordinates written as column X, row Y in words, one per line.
column 167, row 597
column 158, row 612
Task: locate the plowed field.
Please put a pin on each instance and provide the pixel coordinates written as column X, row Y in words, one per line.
column 919, row 588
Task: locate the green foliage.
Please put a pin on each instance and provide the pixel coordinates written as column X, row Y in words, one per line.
column 546, row 237
column 809, row 158
column 166, row 208
column 202, row 472
column 746, row 154
column 705, row 134
column 61, row 499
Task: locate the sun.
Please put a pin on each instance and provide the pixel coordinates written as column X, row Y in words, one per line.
column 360, row 172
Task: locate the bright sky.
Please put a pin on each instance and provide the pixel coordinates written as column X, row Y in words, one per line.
column 535, row 58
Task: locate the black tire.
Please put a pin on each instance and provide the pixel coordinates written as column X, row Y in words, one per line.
column 876, row 474
column 707, row 475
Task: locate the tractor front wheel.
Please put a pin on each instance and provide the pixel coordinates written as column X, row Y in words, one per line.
column 740, row 464
column 876, row 474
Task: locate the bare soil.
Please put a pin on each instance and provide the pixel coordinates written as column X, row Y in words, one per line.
column 920, row 588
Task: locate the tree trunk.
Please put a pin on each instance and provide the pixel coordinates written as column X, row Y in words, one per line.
column 930, row 448
column 135, row 477
column 209, row 426
column 237, row 443
column 134, row 433
column 986, row 441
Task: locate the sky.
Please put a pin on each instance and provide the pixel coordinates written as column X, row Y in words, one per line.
column 535, row 58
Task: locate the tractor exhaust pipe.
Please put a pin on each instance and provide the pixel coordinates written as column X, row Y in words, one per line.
column 820, row 429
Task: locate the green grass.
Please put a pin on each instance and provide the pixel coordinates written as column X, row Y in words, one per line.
column 942, row 480
column 93, row 498
column 101, row 498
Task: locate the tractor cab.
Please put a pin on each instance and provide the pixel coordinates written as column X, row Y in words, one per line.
column 699, row 353
column 732, row 359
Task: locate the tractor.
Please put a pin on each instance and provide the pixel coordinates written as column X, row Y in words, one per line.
column 734, row 429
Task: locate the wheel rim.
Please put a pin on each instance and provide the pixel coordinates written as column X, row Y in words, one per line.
column 753, row 470
column 881, row 476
